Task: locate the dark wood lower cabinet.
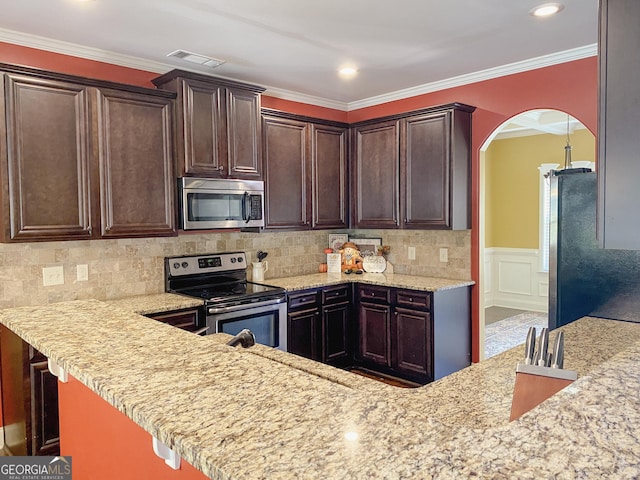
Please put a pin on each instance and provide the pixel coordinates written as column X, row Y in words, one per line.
column 319, row 324
column 190, row 319
column 29, row 399
column 373, row 327
column 413, row 335
column 411, row 340
column 302, row 333
column 336, row 326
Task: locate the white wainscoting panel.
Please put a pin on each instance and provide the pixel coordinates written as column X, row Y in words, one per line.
column 513, row 279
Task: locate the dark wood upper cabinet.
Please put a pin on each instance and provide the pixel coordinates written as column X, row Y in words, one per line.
column 413, row 170
column 135, row 164
column 76, row 153
column 618, row 215
column 329, row 176
column 45, row 158
column 287, row 165
column 435, row 170
column 217, row 125
column 375, row 162
column 305, row 172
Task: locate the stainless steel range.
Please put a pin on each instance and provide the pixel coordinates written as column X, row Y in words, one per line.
column 231, row 302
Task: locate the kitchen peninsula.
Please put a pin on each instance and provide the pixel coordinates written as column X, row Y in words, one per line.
column 261, row 413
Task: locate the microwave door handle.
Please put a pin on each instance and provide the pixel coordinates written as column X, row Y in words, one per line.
column 246, row 211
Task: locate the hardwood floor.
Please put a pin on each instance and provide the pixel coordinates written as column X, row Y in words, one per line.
column 389, row 380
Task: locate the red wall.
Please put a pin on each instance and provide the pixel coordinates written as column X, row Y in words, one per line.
column 105, row 444
column 570, row 87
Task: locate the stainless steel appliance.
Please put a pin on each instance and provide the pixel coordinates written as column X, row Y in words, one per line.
column 211, row 203
column 585, row 279
column 231, row 302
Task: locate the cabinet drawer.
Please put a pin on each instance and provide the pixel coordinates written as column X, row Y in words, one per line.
column 413, row 299
column 184, row 319
column 302, row 300
column 335, row 294
column 376, row 294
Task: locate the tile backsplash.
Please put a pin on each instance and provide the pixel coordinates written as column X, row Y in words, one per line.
column 120, row 268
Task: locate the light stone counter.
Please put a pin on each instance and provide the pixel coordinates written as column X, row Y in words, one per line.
column 160, row 302
column 264, row 414
column 413, row 282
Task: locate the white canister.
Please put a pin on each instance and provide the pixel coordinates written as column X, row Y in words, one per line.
column 259, row 269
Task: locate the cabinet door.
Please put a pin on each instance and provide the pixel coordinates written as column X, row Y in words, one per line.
column 376, row 175
column 335, row 332
column 135, row 158
column 374, row 325
column 45, row 434
column 618, row 214
column 411, row 343
column 286, row 163
column 426, row 171
column 244, row 134
column 302, row 337
column 329, row 174
column 436, row 170
column 201, row 144
column 46, row 140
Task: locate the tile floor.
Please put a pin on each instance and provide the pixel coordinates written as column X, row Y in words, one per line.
column 506, row 333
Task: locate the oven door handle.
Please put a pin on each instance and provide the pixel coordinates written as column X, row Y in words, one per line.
column 245, row 306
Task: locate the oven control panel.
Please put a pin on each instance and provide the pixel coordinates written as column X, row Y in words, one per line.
column 211, row 263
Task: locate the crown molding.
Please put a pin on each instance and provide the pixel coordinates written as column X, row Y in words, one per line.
column 82, row 51
column 304, row 98
column 488, row 74
column 90, row 53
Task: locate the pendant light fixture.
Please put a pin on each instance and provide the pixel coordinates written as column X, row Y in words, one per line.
column 567, row 148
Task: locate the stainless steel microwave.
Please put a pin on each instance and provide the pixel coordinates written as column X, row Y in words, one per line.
column 211, row 203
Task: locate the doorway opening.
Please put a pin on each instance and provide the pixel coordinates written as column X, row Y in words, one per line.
column 514, row 215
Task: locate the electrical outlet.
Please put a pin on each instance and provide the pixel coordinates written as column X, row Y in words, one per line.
column 411, row 252
column 444, row 255
column 82, row 272
column 52, row 276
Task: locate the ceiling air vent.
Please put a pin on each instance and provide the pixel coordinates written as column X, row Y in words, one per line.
column 196, row 58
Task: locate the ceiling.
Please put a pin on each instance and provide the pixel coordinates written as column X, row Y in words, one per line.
column 295, row 47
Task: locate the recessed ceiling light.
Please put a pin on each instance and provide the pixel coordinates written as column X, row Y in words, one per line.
column 196, row 58
column 348, row 72
column 546, row 10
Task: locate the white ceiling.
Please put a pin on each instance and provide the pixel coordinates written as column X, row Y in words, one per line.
column 296, row 46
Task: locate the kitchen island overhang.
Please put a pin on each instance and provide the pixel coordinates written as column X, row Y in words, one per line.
column 266, row 414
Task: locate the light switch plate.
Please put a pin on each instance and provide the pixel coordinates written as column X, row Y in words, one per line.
column 411, row 253
column 52, row 276
column 444, row 255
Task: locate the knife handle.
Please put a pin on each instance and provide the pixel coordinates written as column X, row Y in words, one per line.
column 541, row 357
column 530, row 346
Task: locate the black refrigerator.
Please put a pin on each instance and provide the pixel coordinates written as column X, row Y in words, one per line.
column 585, row 280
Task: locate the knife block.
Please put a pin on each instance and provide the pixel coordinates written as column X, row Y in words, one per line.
column 535, row 384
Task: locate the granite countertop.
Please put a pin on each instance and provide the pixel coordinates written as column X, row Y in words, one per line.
column 413, row 282
column 261, row 413
column 156, row 303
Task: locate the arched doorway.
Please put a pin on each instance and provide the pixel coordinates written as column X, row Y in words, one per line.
column 513, row 257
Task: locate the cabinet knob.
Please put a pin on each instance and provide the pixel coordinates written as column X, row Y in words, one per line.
column 411, row 299
column 373, row 294
column 221, row 167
